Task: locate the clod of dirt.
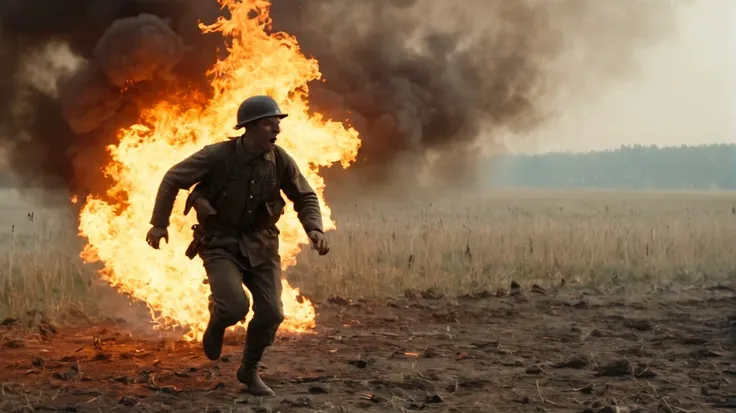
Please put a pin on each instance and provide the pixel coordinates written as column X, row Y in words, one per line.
column 577, row 361
column 501, row 293
column 373, row 398
column 481, row 295
column 10, row 321
column 121, row 379
column 587, row 389
column 538, row 290
column 641, row 325
column 337, row 300
column 515, row 285
column 433, row 398
column 606, row 409
column 581, row 305
column 70, row 375
column 534, row 370
column 617, row 368
column 702, row 353
column 693, row 341
column 521, row 298
column 38, row 362
column 512, row 363
column 102, row 357
column 432, row 294
column 47, row 329
column 317, row 389
column 302, row 401
column 431, row 352
column 411, row 294
column 644, row 372
column 361, row 364
column 726, row 402
column 15, row 344
column 521, row 400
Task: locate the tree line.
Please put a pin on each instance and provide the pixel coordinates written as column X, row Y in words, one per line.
column 629, row 167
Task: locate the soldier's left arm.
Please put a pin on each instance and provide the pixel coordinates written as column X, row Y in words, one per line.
column 305, row 200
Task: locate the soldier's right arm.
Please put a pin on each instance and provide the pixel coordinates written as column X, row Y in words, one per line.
column 183, row 175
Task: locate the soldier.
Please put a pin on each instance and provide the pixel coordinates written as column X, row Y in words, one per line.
column 238, row 202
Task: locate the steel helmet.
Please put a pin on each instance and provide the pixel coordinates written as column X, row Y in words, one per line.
column 257, row 107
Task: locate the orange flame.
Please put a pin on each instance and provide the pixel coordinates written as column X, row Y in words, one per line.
column 170, row 284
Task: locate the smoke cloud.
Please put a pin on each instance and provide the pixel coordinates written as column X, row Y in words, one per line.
column 428, row 83
column 425, row 82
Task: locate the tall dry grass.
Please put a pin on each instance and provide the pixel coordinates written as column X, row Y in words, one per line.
column 606, row 238
column 456, row 246
column 40, row 269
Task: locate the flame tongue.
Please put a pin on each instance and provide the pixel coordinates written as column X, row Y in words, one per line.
column 170, row 284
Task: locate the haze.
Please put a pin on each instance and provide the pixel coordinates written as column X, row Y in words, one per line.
column 684, row 94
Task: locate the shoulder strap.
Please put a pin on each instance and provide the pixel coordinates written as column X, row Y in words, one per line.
column 280, row 171
column 225, row 166
column 280, row 167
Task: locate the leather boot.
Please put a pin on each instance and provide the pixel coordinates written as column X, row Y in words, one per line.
column 248, row 374
column 212, row 340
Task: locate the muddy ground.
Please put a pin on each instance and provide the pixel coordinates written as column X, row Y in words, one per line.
column 528, row 350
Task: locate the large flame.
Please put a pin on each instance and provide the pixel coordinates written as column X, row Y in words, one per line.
column 257, row 63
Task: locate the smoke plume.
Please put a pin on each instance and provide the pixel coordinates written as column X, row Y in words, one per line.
column 425, row 82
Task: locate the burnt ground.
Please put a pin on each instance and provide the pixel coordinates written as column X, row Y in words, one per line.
column 528, row 351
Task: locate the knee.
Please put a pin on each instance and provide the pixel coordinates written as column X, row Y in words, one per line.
column 234, row 311
column 271, row 316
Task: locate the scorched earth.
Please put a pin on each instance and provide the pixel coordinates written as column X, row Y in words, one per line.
column 521, row 350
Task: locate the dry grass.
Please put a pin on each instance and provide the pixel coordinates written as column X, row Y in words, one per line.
column 40, row 267
column 609, row 239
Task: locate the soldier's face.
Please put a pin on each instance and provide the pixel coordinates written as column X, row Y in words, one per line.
column 266, row 133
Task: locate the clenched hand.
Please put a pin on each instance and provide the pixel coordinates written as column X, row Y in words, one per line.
column 153, row 238
column 319, row 242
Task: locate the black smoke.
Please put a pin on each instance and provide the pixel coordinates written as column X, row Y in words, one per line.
column 417, row 78
column 128, row 55
column 421, row 78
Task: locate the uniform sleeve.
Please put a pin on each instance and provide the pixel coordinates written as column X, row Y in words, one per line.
column 305, row 200
column 183, row 175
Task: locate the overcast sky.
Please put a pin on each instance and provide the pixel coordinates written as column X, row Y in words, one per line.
column 685, row 94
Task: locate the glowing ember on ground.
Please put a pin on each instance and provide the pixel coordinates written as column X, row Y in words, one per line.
column 166, row 280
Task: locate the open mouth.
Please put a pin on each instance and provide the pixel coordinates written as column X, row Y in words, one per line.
column 272, row 140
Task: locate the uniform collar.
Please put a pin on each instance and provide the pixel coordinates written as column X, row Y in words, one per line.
column 247, row 157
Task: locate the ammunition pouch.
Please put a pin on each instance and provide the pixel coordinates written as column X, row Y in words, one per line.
column 206, row 215
column 193, row 247
column 270, row 213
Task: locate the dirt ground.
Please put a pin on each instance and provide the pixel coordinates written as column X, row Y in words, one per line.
column 522, row 350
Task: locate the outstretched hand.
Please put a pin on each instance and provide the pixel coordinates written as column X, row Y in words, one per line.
column 153, row 238
column 319, row 242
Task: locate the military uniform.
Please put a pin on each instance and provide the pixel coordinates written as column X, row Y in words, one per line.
column 238, row 239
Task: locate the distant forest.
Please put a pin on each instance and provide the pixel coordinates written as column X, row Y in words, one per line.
column 629, row 167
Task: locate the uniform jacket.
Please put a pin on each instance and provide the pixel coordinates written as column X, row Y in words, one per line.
column 245, row 191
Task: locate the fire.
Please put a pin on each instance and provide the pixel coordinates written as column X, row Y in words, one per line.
column 171, row 284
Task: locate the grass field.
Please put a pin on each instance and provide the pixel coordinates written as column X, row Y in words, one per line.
column 610, row 240
column 637, row 326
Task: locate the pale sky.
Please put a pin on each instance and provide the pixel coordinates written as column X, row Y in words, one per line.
column 686, row 93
